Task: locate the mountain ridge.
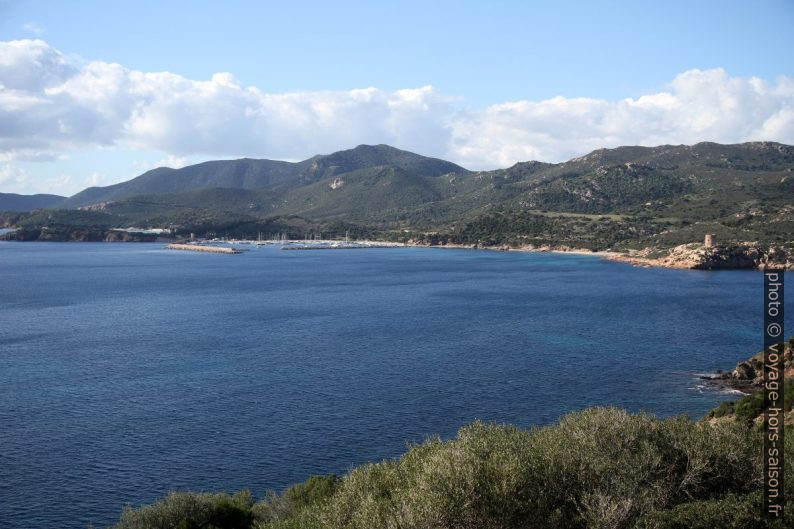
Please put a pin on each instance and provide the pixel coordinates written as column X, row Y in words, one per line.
column 602, row 181
column 17, row 202
column 254, row 174
column 646, row 200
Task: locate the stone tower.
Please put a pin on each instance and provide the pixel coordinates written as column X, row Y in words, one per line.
column 710, row 241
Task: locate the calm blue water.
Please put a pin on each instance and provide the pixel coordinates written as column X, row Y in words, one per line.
column 127, row 370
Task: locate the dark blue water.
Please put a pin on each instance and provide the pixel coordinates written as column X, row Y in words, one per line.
column 127, row 371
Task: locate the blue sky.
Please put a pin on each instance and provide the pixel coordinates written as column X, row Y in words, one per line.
column 482, row 84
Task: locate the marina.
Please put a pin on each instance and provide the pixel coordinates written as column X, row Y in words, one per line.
column 336, row 245
column 308, row 243
column 200, row 248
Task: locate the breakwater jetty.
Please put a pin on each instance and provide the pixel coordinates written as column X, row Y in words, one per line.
column 199, row 248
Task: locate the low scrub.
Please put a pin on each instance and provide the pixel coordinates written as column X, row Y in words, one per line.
column 598, row 468
column 748, row 409
column 186, row 510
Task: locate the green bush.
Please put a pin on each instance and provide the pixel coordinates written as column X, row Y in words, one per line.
column 748, row 408
column 597, row 468
column 729, row 512
column 189, row 510
column 601, row 467
column 725, row 408
column 312, row 492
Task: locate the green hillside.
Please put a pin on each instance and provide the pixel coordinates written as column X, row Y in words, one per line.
column 261, row 174
column 704, row 182
column 620, row 199
column 15, row 202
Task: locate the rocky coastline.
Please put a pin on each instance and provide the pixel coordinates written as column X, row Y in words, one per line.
column 747, row 378
column 748, row 375
column 693, row 256
column 751, row 256
column 746, row 255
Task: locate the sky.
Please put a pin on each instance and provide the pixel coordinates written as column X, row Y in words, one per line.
column 94, row 93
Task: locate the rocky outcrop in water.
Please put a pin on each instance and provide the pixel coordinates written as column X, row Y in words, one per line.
column 748, row 375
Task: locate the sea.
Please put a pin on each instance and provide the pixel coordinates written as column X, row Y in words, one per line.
column 128, row 370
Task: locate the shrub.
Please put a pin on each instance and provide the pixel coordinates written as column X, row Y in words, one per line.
column 313, row 491
column 597, row 468
column 750, row 407
column 729, row 512
column 601, row 467
column 190, row 510
column 725, row 408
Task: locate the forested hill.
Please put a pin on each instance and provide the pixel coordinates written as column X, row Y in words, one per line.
column 380, row 185
column 622, row 198
column 15, row 202
column 248, row 173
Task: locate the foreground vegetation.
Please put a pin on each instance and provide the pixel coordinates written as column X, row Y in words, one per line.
column 749, row 409
column 597, row 468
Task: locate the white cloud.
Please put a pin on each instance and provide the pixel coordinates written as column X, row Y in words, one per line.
column 32, row 65
column 33, row 28
column 48, row 104
column 94, row 179
column 699, row 105
column 55, row 184
column 51, row 105
column 13, row 179
column 174, row 162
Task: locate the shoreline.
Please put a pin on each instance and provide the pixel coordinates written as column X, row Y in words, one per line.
column 745, row 256
column 682, row 257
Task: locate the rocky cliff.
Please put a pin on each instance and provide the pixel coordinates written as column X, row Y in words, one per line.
column 748, row 377
column 749, row 255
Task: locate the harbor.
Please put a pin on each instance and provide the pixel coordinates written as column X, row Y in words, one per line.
column 200, row 248
column 336, row 245
column 214, row 245
column 282, row 239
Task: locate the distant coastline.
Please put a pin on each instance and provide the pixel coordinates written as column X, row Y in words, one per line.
column 684, row 257
column 647, row 206
column 693, row 256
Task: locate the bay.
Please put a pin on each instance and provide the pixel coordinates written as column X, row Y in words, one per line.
column 128, row 370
